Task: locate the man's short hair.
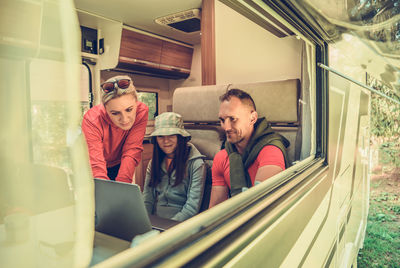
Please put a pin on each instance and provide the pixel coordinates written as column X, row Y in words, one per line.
column 243, row 96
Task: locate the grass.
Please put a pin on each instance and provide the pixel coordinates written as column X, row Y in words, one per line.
column 382, row 240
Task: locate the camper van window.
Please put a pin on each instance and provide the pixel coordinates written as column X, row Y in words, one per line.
column 277, row 69
column 48, row 132
column 151, row 100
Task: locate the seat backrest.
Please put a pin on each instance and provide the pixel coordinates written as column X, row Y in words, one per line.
column 275, row 100
column 208, row 140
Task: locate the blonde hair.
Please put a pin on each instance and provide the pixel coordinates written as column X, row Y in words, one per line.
column 106, row 97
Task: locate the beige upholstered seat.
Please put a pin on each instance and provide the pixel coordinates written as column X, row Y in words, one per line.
column 275, row 100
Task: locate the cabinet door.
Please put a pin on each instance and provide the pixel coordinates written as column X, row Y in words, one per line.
column 176, row 55
column 141, row 47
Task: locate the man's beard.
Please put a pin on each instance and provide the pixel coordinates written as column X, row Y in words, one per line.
column 239, row 139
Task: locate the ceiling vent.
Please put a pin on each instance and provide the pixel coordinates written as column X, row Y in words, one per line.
column 186, row 21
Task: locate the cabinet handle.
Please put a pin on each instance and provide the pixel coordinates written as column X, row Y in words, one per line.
column 175, row 69
column 141, row 62
column 154, row 65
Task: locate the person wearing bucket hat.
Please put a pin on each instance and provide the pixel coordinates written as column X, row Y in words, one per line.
column 114, row 131
column 175, row 176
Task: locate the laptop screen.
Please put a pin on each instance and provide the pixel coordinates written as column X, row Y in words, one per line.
column 120, row 209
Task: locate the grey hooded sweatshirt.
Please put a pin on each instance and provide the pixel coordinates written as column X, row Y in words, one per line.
column 177, row 202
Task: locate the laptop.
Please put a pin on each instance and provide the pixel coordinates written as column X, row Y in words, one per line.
column 120, row 209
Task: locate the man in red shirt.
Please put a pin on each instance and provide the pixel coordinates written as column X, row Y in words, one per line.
column 114, row 131
column 253, row 151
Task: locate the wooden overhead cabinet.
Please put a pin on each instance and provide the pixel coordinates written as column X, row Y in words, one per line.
column 176, row 55
column 148, row 55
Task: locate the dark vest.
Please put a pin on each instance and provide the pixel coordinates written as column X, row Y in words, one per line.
column 263, row 135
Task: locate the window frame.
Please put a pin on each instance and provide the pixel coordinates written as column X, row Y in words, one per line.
column 151, row 90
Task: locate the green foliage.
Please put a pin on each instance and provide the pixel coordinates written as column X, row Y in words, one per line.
column 390, row 153
column 49, row 138
column 150, row 99
column 382, row 240
column 385, row 114
column 395, row 209
column 385, row 197
column 382, row 217
column 385, row 122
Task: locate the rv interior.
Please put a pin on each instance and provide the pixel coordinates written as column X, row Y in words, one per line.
column 181, row 56
column 185, row 69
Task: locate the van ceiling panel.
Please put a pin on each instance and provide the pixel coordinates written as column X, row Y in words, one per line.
column 142, row 13
column 187, row 21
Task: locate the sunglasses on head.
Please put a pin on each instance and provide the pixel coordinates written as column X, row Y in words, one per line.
column 112, row 85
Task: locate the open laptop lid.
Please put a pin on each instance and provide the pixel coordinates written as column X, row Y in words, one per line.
column 120, row 209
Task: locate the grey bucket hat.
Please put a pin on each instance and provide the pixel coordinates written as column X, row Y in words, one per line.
column 169, row 124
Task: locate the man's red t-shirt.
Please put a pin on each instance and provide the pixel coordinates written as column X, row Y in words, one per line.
column 269, row 155
column 109, row 145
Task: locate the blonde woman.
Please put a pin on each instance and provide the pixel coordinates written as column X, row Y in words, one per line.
column 114, row 131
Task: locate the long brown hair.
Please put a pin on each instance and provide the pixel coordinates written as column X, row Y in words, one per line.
column 178, row 162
